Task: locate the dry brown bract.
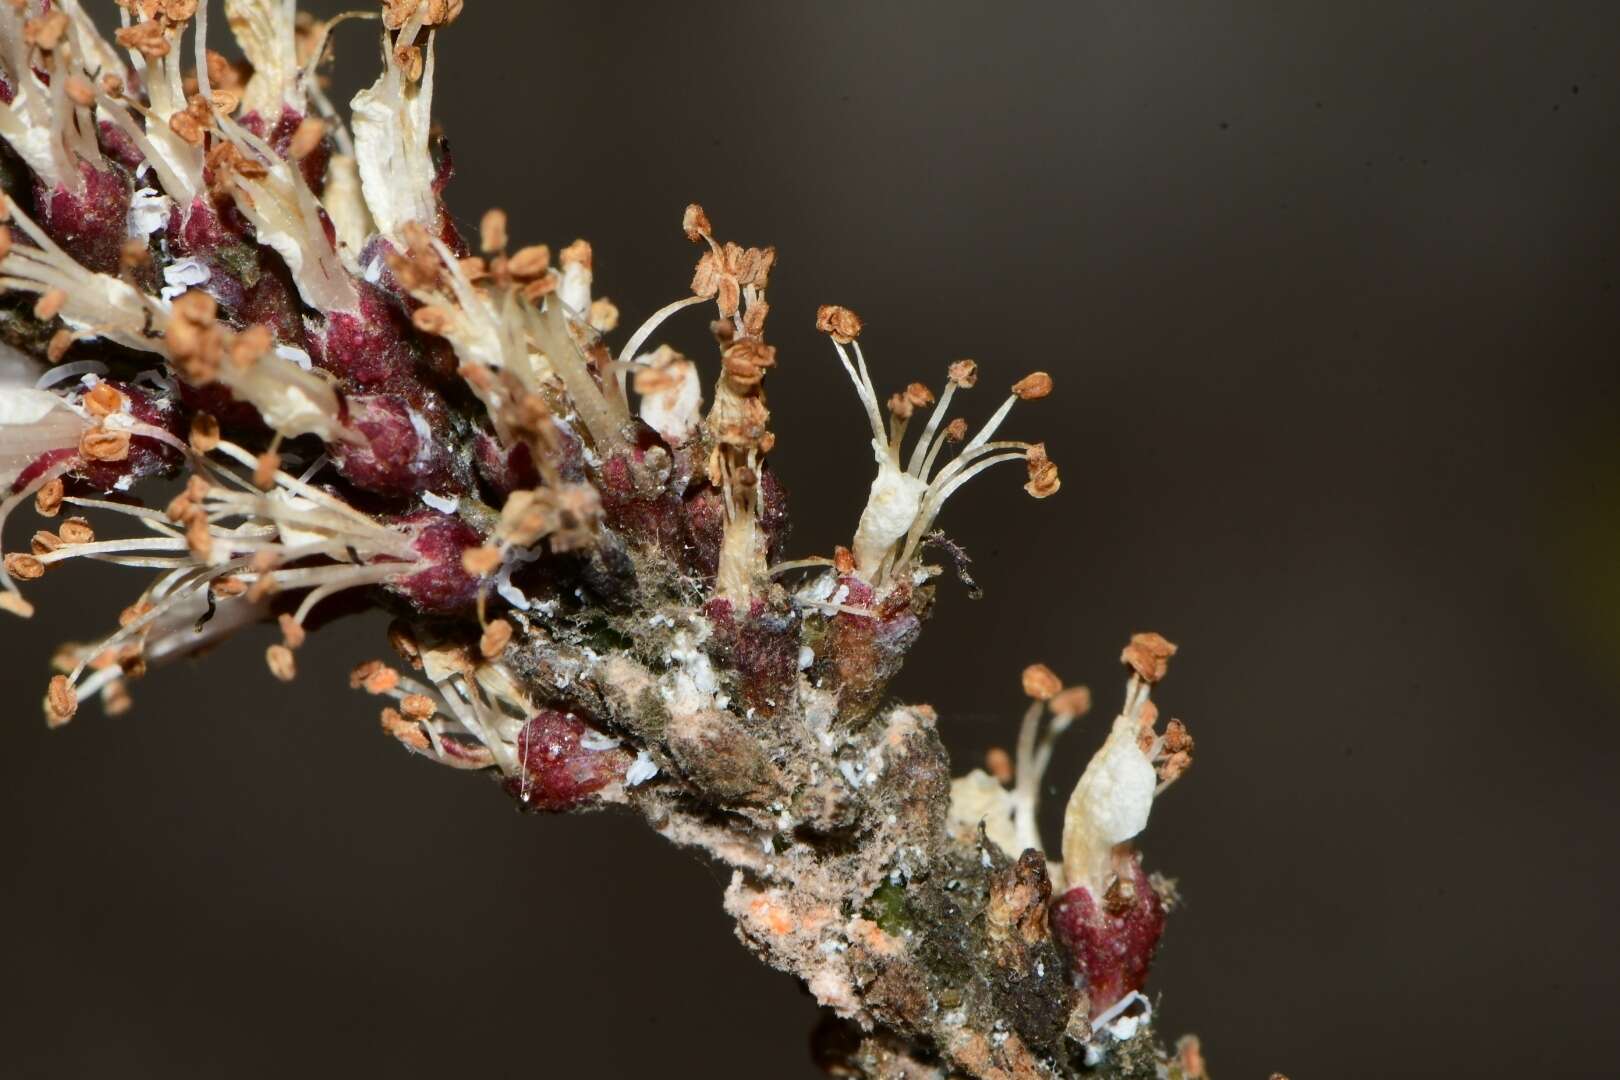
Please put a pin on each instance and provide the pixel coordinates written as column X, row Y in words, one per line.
column 1149, row 656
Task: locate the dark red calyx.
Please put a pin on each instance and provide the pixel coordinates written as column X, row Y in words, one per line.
column 1110, row 945
column 503, row 470
column 251, row 283
column 92, row 224
column 706, row 524
column 401, row 447
column 372, row 348
column 562, row 763
column 860, row 653
column 443, row 586
column 643, row 513
column 760, row 647
column 119, row 146
column 280, row 136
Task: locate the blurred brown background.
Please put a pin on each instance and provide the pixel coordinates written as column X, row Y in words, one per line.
column 1329, row 294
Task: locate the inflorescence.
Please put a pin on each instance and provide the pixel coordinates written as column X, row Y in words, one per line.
column 246, row 350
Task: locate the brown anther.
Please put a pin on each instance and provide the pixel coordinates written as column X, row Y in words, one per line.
column 843, row 560
column 49, row 304
column 411, row 62
column 198, row 539
column 843, row 324
column 956, row 430
column 292, row 631
column 1173, row 767
column 497, row 635
column 204, row 436
column 540, row 286
column 405, row 645
column 1073, row 702
column 100, row 444
column 375, row 676
column 187, row 127
column 228, row 587
column 280, row 660
column 60, row 343
column 481, row 561
column 44, row 542
column 603, row 316
column 919, row 395
column 132, row 660
column 746, row 360
column 112, row 86
column 418, row 706
column 529, row 263
column 61, row 701
column 307, row 138
column 248, row 346
column 81, row 91
column 998, row 763
column 577, row 252
column 406, row 731
column 1177, row 739
column 433, row 320
column 47, row 31
column 1043, row 474
column 103, row 400
column 1032, row 387
column 964, row 373
column 48, row 500
column 695, row 223
column 264, row 470
column 76, row 530
column 901, row 406
column 396, row 13
column 492, row 232
column 226, row 102
column 1041, row 682
column 1149, row 656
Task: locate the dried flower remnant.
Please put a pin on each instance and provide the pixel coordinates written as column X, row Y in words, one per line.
column 262, row 368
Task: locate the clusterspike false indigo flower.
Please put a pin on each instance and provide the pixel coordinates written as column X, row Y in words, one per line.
column 246, row 352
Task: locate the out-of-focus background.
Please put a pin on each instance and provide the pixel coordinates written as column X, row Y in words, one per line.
column 1329, row 294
